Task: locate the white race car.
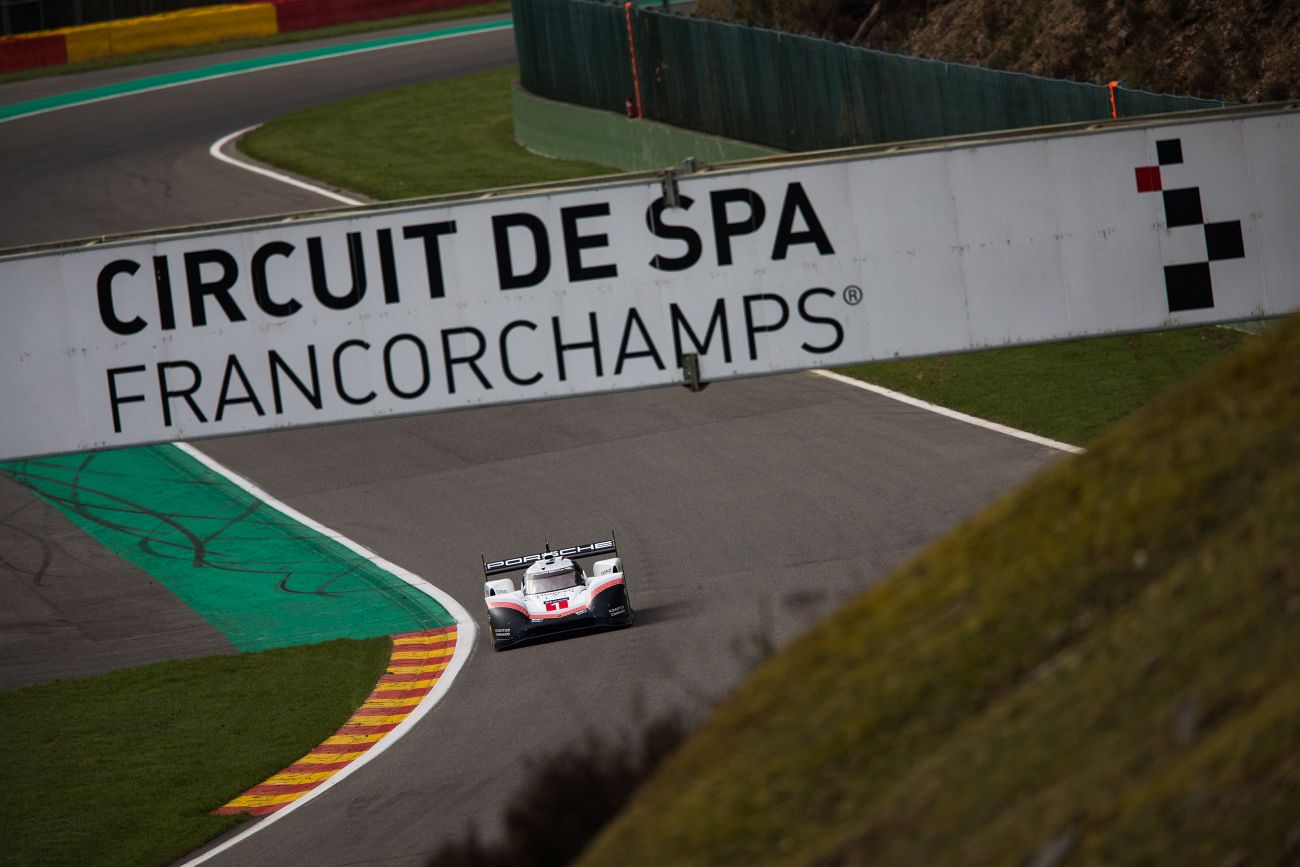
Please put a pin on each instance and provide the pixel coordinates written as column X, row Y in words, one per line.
column 555, row 595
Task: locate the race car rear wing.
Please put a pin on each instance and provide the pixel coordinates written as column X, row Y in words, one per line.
column 513, row 564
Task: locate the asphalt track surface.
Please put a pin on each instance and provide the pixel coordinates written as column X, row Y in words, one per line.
column 69, row 607
column 744, row 513
column 141, row 161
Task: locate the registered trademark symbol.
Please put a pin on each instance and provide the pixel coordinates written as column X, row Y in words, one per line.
column 852, row 295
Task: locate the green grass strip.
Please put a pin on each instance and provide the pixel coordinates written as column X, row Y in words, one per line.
column 1068, row 391
column 263, row 579
column 420, row 140
column 123, row 769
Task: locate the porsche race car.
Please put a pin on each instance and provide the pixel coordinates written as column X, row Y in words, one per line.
column 555, row 595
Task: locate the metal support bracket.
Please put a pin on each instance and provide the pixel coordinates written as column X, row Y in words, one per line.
column 688, row 167
column 691, row 372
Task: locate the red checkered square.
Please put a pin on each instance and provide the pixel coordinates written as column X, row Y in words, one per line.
column 1148, row 179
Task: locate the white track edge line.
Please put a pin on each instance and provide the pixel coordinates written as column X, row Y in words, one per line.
column 506, row 25
column 217, row 151
column 466, row 634
column 950, row 413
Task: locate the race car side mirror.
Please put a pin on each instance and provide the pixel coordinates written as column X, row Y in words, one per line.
column 608, row 567
column 501, row 585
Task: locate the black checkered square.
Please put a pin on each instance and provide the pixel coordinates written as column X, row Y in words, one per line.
column 1223, row 241
column 1169, row 151
column 1183, row 207
column 1188, row 287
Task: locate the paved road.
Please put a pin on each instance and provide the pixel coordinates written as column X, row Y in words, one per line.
column 69, row 607
column 141, row 161
column 743, row 513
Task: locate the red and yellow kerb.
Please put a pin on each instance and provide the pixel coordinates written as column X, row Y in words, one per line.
column 418, row 660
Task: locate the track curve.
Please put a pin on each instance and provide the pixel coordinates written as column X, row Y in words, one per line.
column 743, row 513
column 141, row 162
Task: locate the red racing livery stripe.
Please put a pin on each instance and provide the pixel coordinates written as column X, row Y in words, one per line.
column 601, row 588
column 557, row 615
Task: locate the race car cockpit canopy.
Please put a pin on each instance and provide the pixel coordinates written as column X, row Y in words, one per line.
column 549, row 580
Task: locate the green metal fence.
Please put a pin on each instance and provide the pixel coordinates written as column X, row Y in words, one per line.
column 789, row 92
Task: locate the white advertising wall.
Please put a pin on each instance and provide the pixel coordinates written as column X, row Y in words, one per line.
column 577, row 290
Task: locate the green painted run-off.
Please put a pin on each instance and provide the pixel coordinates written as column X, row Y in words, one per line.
column 261, row 578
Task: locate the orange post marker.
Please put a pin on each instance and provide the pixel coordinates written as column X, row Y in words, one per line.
column 635, row 109
column 1112, row 86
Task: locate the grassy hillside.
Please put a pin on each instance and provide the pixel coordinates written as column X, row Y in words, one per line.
column 1099, row 669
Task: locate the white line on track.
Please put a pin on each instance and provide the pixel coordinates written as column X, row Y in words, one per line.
column 466, row 633
column 950, row 413
column 218, row 150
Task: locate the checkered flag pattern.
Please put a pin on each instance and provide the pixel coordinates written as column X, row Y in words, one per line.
column 1189, row 286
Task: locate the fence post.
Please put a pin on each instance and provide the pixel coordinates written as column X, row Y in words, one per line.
column 1111, row 87
column 635, row 109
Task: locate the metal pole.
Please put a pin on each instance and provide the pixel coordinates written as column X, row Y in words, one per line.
column 631, row 45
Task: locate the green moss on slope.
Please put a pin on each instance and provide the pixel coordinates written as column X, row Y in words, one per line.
column 1103, row 662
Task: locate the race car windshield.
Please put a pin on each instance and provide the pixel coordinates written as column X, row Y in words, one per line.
column 548, row 581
